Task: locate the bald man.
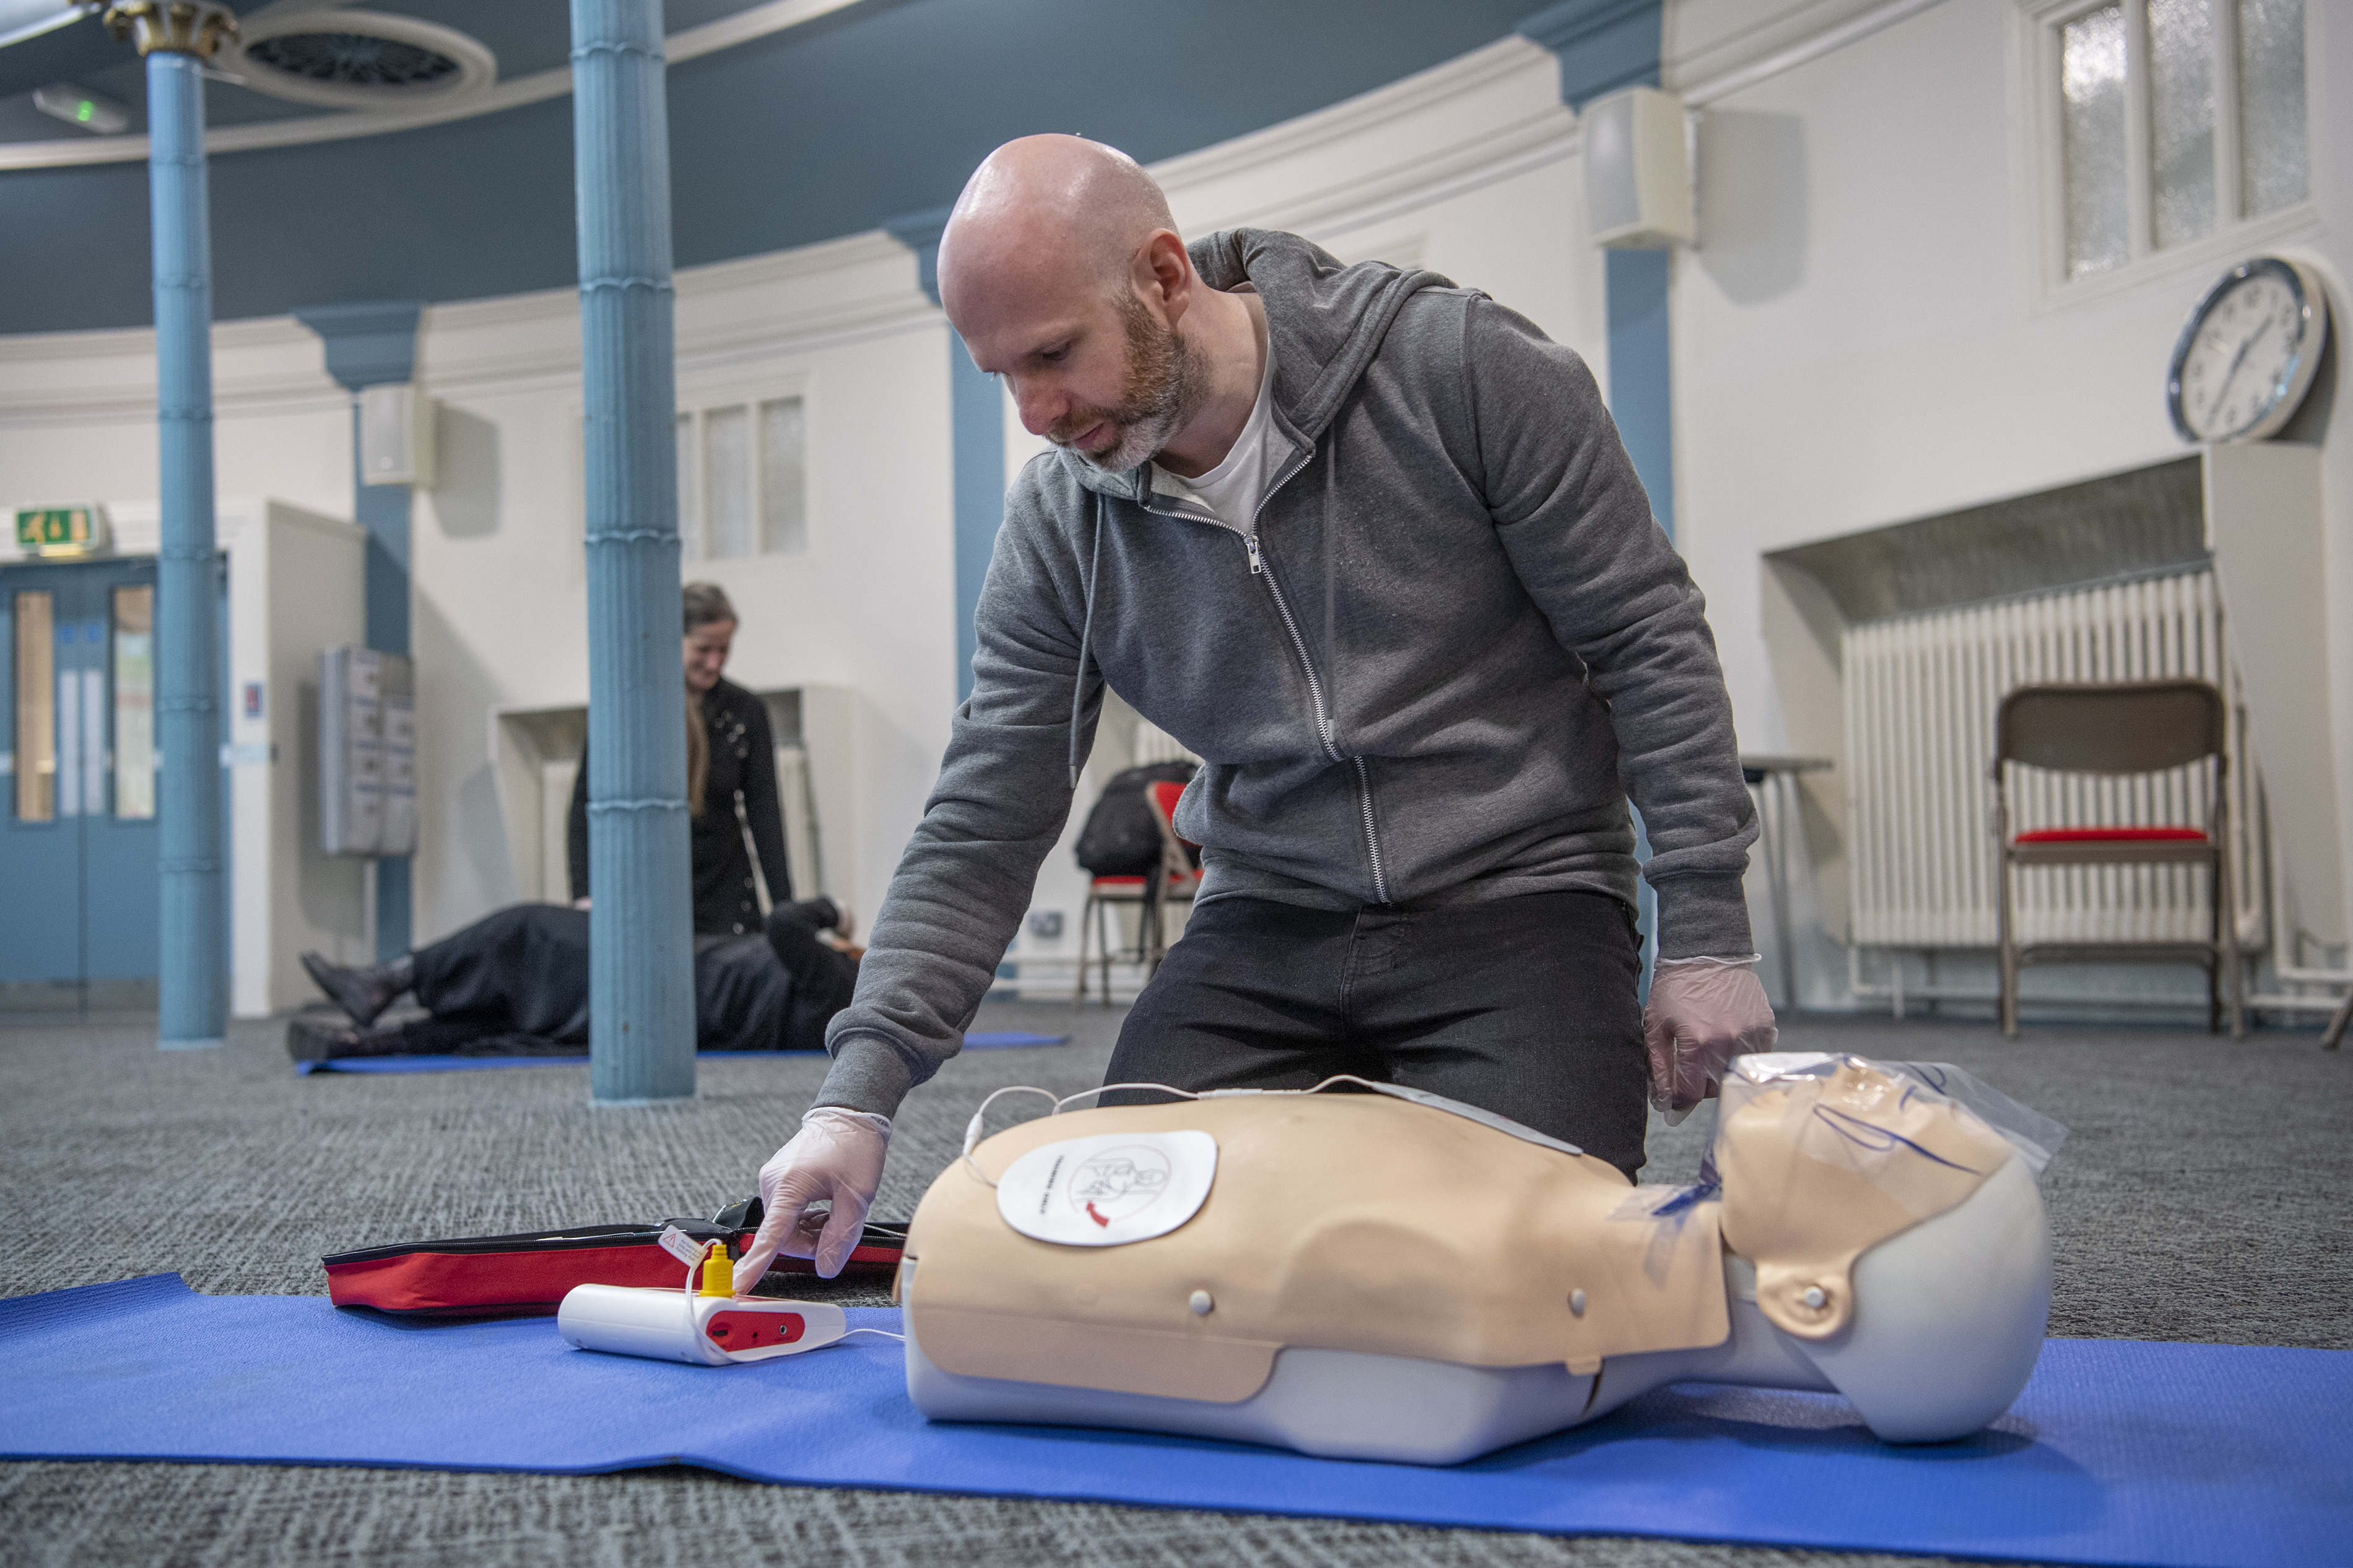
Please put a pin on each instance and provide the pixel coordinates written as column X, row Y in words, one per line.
column 1367, row 542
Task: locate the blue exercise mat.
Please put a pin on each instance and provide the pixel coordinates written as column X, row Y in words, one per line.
column 979, row 1040
column 2120, row 1452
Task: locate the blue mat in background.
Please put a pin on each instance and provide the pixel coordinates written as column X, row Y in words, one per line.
column 978, row 1040
column 2120, row 1451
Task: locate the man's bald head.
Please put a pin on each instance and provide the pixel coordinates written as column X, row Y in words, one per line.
column 1048, row 212
column 1060, row 269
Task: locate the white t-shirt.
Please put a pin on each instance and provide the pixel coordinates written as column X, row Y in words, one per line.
column 1234, row 488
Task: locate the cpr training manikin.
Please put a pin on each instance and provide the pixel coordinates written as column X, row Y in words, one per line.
column 1390, row 1276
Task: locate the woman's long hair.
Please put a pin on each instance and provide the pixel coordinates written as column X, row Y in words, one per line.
column 698, row 754
column 703, row 603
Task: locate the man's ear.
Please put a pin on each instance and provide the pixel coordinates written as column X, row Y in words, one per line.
column 1164, row 275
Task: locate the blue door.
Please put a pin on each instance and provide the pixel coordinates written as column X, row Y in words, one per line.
column 78, row 834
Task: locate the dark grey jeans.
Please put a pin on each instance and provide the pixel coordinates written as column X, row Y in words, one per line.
column 1526, row 1006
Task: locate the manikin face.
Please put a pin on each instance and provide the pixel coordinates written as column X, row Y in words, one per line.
column 1100, row 374
column 705, row 653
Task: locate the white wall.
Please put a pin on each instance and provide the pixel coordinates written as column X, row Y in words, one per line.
column 1863, row 336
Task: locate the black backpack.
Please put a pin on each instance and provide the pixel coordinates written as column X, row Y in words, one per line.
column 1120, row 838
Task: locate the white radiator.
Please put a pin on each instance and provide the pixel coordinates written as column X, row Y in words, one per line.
column 1921, row 692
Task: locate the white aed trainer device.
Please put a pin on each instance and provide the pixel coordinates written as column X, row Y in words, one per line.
column 712, row 1326
column 702, row 1330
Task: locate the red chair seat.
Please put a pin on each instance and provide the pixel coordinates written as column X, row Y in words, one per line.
column 1164, row 793
column 1119, row 882
column 2112, row 836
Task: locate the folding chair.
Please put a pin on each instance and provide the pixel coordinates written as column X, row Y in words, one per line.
column 1175, row 878
column 2140, row 727
column 1182, row 877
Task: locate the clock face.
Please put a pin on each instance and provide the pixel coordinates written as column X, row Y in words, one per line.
column 2247, row 357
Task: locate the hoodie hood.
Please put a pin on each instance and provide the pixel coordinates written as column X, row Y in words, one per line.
column 1325, row 322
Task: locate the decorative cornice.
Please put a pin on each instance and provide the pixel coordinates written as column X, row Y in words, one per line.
column 842, row 290
column 1465, row 75
column 856, row 288
column 1800, row 34
column 1424, row 174
column 1439, row 175
column 871, row 247
column 691, row 43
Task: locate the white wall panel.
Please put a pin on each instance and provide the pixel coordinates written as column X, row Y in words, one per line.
column 1860, row 337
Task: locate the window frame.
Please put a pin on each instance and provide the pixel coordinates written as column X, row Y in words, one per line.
column 2037, row 26
column 694, row 404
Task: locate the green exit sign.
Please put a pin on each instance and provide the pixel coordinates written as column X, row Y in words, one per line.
column 60, row 530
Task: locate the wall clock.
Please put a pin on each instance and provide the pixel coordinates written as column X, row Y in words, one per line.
column 2247, row 356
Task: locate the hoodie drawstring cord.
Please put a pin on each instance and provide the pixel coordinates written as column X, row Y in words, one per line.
column 1331, row 660
column 1086, row 633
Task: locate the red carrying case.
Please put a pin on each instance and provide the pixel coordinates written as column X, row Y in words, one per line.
column 528, row 1275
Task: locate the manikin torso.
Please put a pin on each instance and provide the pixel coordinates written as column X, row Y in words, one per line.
column 1361, row 1275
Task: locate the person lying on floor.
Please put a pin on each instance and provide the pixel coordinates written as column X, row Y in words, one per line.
column 516, row 983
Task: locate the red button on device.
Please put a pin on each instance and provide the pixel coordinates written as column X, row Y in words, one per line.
column 749, row 1330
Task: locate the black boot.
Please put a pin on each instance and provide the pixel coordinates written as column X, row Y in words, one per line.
column 310, row 1039
column 361, row 991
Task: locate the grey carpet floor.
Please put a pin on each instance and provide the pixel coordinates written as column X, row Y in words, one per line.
column 2200, row 1197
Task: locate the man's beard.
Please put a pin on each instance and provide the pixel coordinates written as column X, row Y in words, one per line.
column 1157, row 394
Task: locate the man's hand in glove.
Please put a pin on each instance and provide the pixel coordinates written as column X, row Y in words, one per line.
column 835, row 1159
column 1702, row 1013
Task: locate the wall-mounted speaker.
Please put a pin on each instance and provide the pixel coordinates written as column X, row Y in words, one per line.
column 397, row 435
column 1637, row 176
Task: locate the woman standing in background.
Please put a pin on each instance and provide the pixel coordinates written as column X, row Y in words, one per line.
column 741, row 774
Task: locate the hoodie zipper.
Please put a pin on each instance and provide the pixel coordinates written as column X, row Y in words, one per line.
column 1324, row 727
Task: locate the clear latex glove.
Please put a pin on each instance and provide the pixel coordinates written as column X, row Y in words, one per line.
column 1703, row 1012
column 835, row 1159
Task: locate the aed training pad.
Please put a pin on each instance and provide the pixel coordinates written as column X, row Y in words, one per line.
column 2120, row 1451
column 978, row 1040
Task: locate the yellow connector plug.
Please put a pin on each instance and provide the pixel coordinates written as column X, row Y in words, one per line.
column 718, row 1272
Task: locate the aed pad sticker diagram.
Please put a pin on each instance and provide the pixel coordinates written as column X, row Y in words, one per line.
column 1110, row 1189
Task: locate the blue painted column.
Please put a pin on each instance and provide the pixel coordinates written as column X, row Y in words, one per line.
column 976, row 444
column 641, row 923
column 192, row 982
column 1641, row 384
column 373, row 345
column 1603, row 46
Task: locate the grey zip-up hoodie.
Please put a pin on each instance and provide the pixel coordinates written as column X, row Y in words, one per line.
column 1452, row 647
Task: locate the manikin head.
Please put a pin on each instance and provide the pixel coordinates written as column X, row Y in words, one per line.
column 1895, row 1234
column 1064, row 273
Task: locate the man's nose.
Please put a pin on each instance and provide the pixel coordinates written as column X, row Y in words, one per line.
column 1041, row 406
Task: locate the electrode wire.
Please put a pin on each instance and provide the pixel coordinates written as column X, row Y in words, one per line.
column 973, row 1128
